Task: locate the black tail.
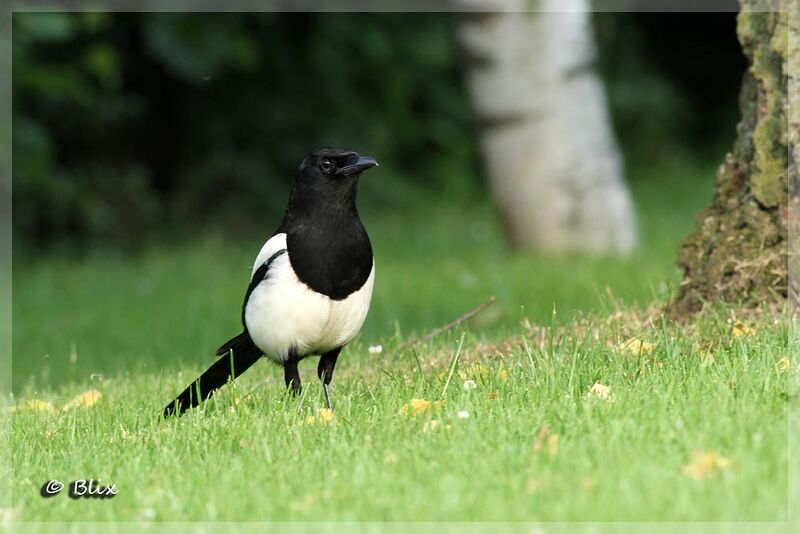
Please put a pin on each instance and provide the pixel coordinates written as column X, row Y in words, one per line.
column 237, row 355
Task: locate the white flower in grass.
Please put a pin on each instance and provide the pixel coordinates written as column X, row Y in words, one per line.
column 463, row 414
column 375, row 349
column 469, row 385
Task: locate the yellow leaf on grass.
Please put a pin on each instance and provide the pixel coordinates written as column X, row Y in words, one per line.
column 86, row 399
column 325, row 415
column 418, row 406
column 36, row 405
column 637, row 347
column 474, row 371
column 739, row 329
column 705, row 464
column 541, row 435
column 503, row 374
column 783, row 364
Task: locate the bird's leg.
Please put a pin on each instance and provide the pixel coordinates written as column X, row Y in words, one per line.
column 325, row 372
column 291, row 375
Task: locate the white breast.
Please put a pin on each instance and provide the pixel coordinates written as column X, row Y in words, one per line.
column 347, row 316
column 283, row 314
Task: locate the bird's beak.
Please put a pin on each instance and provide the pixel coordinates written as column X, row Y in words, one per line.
column 361, row 165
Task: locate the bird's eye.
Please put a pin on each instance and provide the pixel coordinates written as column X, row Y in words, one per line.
column 326, row 165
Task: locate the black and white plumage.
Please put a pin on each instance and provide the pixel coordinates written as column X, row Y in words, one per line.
column 311, row 283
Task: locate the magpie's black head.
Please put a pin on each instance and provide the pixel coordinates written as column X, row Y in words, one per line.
column 334, row 165
column 328, row 177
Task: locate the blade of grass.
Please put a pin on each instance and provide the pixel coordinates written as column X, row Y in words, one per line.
column 454, row 363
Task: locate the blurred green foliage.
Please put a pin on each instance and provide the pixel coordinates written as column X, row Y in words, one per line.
column 128, row 123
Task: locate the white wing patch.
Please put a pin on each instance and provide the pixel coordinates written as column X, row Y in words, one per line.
column 284, row 314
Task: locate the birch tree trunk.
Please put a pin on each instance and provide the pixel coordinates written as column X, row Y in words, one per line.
column 546, row 136
column 738, row 251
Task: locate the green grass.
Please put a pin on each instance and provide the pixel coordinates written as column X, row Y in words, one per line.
column 173, row 305
column 621, row 459
column 146, row 325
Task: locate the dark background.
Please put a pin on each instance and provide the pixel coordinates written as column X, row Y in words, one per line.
column 134, row 127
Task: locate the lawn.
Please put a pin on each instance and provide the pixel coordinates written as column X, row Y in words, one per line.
column 175, row 302
column 553, row 418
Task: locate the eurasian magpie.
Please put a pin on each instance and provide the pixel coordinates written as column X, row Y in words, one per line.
column 311, row 284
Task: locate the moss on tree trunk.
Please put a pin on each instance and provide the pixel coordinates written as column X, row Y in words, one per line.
column 738, row 250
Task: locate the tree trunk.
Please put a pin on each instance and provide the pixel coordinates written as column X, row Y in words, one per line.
column 794, row 156
column 546, row 136
column 738, row 251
